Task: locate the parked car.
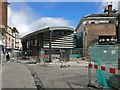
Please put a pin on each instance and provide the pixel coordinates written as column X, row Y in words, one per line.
column 24, row 55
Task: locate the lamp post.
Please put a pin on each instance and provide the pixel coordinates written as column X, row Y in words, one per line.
column 118, row 40
column 1, row 43
column 50, row 46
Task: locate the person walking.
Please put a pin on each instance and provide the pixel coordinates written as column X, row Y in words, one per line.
column 7, row 57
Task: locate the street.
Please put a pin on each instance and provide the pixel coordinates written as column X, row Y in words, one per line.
column 59, row 45
column 37, row 76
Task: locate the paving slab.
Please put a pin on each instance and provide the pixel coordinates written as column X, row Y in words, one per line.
column 0, row 76
column 16, row 75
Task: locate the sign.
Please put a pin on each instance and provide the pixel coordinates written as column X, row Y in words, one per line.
column 113, row 52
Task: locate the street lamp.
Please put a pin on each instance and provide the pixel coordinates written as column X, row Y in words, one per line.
column 1, row 43
column 50, row 46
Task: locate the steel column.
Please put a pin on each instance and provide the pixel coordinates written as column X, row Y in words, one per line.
column 50, row 46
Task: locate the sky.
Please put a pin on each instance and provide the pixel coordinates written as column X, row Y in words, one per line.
column 28, row 17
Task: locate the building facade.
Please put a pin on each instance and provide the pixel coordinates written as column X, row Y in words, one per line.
column 3, row 12
column 98, row 28
column 10, row 39
column 3, row 19
column 17, row 42
column 13, row 41
column 51, row 40
column 10, row 36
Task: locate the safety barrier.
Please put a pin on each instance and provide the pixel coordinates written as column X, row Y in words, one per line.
column 45, row 57
column 104, row 61
column 103, row 68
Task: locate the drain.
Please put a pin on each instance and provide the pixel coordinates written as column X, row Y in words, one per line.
column 37, row 80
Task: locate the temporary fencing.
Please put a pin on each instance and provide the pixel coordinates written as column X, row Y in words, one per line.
column 44, row 56
column 104, row 59
column 61, row 54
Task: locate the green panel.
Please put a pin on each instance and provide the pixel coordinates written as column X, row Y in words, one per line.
column 41, row 54
column 105, row 56
column 74, row 55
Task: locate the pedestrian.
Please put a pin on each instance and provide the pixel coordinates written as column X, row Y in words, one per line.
column 7, row 57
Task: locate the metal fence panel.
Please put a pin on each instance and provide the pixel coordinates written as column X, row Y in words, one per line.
column 104, row 59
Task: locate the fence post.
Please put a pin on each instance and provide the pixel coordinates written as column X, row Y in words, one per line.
column 118, row 66
column 1, row 59
column 89, row 69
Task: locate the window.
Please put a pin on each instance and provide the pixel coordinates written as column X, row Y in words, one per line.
column 92, row 22
column 9, row 38
column 110, row 21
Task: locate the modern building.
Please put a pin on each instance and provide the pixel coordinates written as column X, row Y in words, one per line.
column 98, row 28
column 51, row 40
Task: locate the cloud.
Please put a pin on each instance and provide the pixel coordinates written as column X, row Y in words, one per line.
column 19, row 19
column 49, row 21
column 25, row 21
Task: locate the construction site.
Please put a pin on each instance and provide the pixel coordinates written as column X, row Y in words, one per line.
column 59, row 57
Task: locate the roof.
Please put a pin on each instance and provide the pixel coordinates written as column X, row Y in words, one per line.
column 103, row 16
column 57, row 28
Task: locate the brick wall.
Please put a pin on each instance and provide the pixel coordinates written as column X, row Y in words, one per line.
column 0, row 13
column 3, row 13
column 95, row 30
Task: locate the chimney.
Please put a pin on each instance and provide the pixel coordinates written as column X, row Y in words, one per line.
column 14, row 29
column 110, row 14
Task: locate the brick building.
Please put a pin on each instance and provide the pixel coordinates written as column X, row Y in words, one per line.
column 13, row 40
column 3, row 19
column 11, row 37
column 98, row 28
column 3, row 13
column 17, row 39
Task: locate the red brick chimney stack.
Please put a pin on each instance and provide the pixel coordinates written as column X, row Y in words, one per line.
column 14, row 29
column 110, row 14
